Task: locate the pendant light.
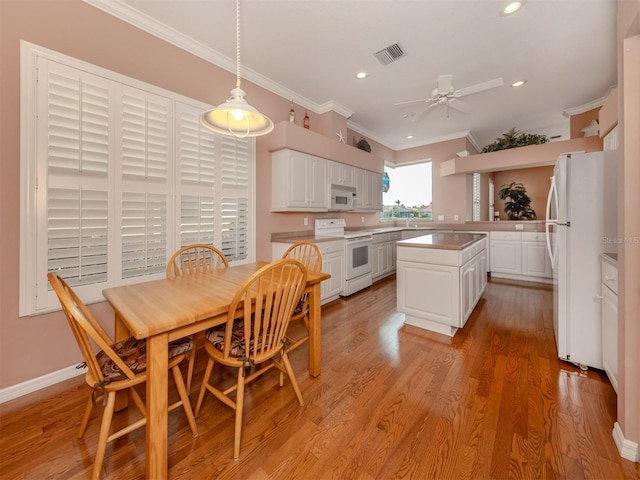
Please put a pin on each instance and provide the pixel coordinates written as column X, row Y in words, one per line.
column 235, row 116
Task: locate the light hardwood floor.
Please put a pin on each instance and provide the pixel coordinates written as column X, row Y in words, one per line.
column 494, row 403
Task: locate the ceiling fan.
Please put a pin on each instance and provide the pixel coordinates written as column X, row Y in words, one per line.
column 446, row 94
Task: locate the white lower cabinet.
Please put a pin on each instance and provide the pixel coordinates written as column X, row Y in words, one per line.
column 332, row 263
column 383, row 254
column 520, row 255
column 609, row 309
column 438, row 289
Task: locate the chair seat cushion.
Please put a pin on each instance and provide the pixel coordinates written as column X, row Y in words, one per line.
column 134, row 353
column 215, row 335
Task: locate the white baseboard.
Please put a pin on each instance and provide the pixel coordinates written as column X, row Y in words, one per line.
column 627, row 448
column 35, row 384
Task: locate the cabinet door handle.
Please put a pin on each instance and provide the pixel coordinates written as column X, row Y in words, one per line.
column 607, row 278
column 599, row 297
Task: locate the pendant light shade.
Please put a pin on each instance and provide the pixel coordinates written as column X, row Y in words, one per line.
column 235, row 116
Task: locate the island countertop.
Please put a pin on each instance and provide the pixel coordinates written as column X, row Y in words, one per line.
column 443, row 241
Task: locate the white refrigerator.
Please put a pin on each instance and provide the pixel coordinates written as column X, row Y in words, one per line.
column 580, row 225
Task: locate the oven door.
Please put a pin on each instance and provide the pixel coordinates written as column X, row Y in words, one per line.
column 358, row 257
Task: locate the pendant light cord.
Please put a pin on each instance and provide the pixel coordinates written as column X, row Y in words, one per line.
column 238, row 43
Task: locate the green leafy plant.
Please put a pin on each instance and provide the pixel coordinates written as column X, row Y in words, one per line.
column 519, row 205
column 514, row 138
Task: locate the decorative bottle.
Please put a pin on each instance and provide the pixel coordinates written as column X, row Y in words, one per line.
column 292, row 114
column 306, row 120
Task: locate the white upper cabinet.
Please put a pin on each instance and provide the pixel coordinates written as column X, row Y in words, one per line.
column 298, row 182
column 341, row 174
column 368, row 190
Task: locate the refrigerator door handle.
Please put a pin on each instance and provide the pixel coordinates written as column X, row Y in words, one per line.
column 553, row 195
column 552, row 257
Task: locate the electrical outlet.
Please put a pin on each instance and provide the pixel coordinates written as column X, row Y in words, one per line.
column 362, row 219
column 441, row 218
column 455, row 218
column 306, row 221
column 519, row 226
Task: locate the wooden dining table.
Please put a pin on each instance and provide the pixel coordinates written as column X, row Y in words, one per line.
column 168, row 309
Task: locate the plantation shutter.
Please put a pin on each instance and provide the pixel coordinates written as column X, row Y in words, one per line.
column 235, row 197
column 476, row 196
column 72, row 175
column 118, row 174
column 195, row 157
column 144, row 134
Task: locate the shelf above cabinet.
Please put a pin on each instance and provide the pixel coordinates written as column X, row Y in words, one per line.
column 287, row 135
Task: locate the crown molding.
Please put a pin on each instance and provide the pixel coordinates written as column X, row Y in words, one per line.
column 598, row 102
column 139, row 20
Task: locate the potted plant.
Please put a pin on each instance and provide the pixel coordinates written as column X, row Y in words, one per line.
column 519, row 205
column 514, row 138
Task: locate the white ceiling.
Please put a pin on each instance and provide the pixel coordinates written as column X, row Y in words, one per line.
column 310, row 51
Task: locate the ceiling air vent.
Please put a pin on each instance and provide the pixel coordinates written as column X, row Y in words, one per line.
column 390, row 54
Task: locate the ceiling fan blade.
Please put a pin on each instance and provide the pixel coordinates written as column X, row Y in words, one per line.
column 412, row 101
column 444, row 84
column 459, row 105
column 478, row 87
column 419, row 117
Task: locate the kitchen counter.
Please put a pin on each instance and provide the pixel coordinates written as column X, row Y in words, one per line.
column 528, row 226
column 443, row 241
column 441, row 277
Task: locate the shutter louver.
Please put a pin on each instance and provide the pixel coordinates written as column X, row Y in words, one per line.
column 235, row 227
column 144, row 227
column 77, row 167
column 144, row 127
column 77, row 235
column 196, row 148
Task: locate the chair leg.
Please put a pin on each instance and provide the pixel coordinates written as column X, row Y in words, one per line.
column 192, row 361
column 85, row 417
column 294, row 382
column 107, row 416
column 203, row 388
column 184, row 396
column 239, row 408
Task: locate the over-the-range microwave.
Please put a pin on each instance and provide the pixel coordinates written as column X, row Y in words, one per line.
column 342, row 198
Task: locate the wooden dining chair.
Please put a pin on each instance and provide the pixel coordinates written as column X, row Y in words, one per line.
column 191, row 259
column 254, row 334
column 309, row 255
column 118, row 366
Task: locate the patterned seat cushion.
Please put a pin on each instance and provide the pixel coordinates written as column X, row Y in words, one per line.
column 134, row 353
column 216, row 336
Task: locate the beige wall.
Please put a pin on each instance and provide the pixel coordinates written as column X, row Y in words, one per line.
column 535, row 180
column 449, row 193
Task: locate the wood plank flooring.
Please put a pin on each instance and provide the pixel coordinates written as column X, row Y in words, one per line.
column 493, row 403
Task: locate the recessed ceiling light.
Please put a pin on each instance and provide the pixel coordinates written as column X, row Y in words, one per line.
column 409, row 137
column 519, row 83
column 513, row 7
column 361, row 75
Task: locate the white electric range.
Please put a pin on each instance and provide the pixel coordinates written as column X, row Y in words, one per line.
column 357, row 248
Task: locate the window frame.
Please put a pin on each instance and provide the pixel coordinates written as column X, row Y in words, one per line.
column 384, row 218
column 34, row 258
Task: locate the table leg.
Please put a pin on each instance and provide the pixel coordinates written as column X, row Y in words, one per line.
column 157, row 404
column 120, row 332
column 315, row 353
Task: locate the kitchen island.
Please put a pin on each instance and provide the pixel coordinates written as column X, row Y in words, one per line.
column 440, row 278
